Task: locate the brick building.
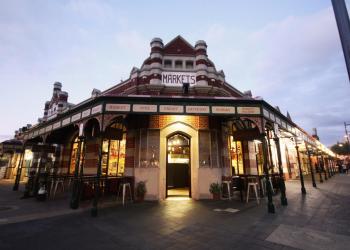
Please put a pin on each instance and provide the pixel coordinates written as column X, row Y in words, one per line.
column 174, row 123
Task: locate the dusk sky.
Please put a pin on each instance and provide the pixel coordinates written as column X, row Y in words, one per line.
column 286, row 51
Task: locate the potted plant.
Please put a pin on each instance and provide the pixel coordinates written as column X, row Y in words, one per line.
column 141, row 190
column 215, row 190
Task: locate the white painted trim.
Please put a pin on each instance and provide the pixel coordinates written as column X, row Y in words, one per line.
column 164, row 133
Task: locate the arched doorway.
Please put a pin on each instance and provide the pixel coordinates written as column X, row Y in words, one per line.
column 178, row 165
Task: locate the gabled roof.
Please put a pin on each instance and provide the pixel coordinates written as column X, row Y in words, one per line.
column 179, row 46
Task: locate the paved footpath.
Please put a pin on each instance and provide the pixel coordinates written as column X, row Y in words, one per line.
column 318, row 220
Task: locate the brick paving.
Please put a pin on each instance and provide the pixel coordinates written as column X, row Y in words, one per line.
column 322, row 215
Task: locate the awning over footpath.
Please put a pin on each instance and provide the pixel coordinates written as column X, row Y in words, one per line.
column 11, row 146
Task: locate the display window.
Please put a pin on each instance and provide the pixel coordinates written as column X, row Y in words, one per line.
column 73, row 158
column 259, row 157
column 113, row 154
column 179, row 149
column 236, row 156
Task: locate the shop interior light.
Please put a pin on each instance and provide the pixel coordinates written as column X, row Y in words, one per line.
column 28, row 155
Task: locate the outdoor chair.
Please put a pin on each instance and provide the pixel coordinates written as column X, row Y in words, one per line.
column 253, row 184
column 58, row 182
column 263, row 183
column 237, row 185
column 124, row 186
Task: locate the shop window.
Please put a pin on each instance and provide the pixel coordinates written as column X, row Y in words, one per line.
column 259, row 157
column 113, row 153
column 236, row 155
column 189, row 64
column 179, row 149
column 167, row 63
column 74, row 152
column 178, row 64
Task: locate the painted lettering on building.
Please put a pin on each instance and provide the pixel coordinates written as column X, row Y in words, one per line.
column 118, row 107
column 171, row 108
column 222, row 110
column 176, row 78
column 197, row 109
column 144, row 108
column 248, row 110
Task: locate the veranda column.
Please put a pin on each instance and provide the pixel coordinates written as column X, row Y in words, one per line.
column 43, row 159
column 319, row 167
column 269, row 151
column 328, row 166
column 74, row 202
column 19, row 170
column 333, row 167
column 311, row 168
column 94, row 209
column 284, row 201
column 303, row 191
column 270, row 206
column 81, row 170
column 323, row 167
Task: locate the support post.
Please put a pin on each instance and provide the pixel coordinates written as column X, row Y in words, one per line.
column 269, row 151
column 41, row 165
column 319, row 169
column 270, row 205
column 19, row 171
column 311, row 168
column 74, row 202
column 303, row 191
column 328, row 171
column 94, row 209
column 81, row 171
column 284, row 201
column 323, row 168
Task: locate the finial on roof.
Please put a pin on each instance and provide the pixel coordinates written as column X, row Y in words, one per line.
column 248, row 93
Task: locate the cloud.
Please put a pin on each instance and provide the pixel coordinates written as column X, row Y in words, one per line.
column 91, row 9
column 296, row 47
column 295, row 63
column 132, row 41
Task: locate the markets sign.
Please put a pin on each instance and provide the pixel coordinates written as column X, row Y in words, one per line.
column 178, row 78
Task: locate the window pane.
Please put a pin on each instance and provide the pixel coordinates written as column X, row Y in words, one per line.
column 167, row 63
column 178, row 64
column 189, row 64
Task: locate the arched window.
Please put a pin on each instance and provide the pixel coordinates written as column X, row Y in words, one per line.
column 73, row 156
column 113, row 150
column 236, row 156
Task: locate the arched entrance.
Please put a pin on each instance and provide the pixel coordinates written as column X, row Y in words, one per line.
column 178, row 165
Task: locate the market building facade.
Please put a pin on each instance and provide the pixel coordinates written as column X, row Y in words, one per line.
column 175, row 124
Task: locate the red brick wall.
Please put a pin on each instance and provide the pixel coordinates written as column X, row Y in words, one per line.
column 161, row 121
column 130, row 149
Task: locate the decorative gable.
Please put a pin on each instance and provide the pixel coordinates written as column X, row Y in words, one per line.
column 179, row 46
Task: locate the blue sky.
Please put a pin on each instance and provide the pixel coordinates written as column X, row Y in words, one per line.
column 287, row 51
